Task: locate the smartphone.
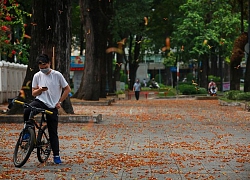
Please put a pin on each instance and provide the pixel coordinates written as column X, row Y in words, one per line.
column 45, row 87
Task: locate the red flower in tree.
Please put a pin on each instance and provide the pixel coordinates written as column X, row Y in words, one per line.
column 13, row 52
column 8, row 18
column 4, row 28
column 7, row 41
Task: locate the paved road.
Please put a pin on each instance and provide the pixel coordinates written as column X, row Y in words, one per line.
column 145, row 139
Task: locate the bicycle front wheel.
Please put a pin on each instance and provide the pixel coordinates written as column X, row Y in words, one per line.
column 24, row 147
column 43, row 146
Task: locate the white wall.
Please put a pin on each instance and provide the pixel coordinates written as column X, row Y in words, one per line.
column 142, row 72
column 11, row 79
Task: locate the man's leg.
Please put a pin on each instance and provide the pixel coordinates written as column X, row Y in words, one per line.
column 26, row 112
column 137, row 95
column 52, row 122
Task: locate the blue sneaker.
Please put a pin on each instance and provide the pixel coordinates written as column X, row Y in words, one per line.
column 26, row 137
column 57, row 160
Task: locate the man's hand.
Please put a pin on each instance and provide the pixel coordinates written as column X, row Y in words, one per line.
column 58, row 105
column 44, row 88
column 37, row 91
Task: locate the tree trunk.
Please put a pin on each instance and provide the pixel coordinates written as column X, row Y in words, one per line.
column 214, row 68
column 132, row 74
column 105, row 14
column 235, row 71
column 118, row 65
column 247, row 76
column 95, row 48
column 134, row 60
column 82, row 45
column 204, row 69
column 50, row 34
column 235, row 60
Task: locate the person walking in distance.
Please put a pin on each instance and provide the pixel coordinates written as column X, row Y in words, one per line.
column 47, row 87
column 137, row 89
column 144, row 82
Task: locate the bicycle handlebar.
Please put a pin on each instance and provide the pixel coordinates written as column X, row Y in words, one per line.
column 19, row 102
column 39, row 109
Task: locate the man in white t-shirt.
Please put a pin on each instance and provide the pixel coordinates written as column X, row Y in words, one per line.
column 47, row 86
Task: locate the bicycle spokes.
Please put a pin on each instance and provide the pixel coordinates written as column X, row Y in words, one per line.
column 44, row 147
column 24, row 147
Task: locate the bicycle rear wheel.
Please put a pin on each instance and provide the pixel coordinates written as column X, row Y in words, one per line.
column 43, row 147
column 23, row 147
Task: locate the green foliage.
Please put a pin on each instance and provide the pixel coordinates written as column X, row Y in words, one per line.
column 161, row 20
column 126, row 86
column 237, row 95
column 162, row 86
column 128, row 17
column 170, row 59
column 12, row 25
column 76, row 25
column 167, row 91
column 202, row 91
column 231, row 94
column 200, row 28
column 188, row 89
column 215, row 78
column 119, row 92
column 190, row 77
column 123, row 78
column 157, row 78
column 243, row 96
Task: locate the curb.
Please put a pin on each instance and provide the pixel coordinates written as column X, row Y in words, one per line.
column 94, row 103
column 62, row 118
column 206, row 98
column 240, row 104
column 65, row 118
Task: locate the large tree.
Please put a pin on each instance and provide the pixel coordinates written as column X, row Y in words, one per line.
column 203, row 33
column 130, row 22
column 247, row 73
column 95, row 26
column 50, row 34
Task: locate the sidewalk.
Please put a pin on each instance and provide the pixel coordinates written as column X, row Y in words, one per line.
column 146, row 139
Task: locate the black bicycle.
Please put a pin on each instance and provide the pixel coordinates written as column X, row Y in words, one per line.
column 29, row 140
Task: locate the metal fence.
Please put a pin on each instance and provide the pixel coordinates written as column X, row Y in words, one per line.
column 11, row 80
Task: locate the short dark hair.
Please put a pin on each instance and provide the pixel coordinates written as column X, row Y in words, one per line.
column 43, row 58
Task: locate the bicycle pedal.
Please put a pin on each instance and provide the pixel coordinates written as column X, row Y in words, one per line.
column 47, row 151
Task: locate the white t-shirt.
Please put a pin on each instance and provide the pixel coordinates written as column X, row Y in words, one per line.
column 55, row 82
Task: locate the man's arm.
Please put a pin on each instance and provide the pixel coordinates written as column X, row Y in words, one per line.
column 65, row 94
column 37, row 91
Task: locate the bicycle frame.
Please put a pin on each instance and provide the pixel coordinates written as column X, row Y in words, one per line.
column 35, row 139
column 34, row 111
column 34, row 124
column 33, row 121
